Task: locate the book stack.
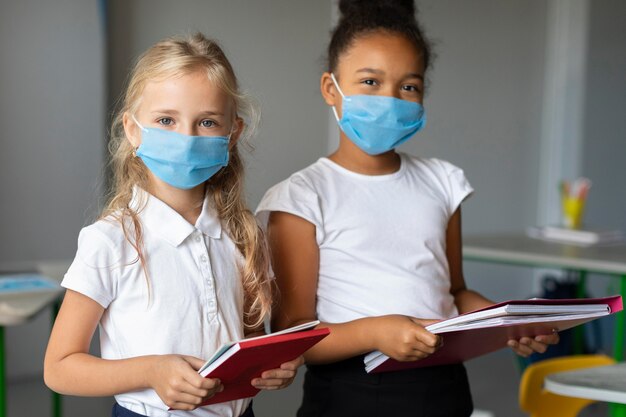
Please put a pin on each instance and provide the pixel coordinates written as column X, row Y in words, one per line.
column 483, row 331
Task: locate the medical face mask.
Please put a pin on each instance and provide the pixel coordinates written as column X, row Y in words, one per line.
column 180, row 160
column 378, row 124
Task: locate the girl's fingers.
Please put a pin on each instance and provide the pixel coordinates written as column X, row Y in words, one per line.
column 519, row 348
column 278, row 374
column 196, row 363
column 188, row 389
column 428, row 339
column 426, row 349
column 271, row 383
column 185, row 401
column 527, row 346
column 211, row 384
column 294, row 364
column 549, row 339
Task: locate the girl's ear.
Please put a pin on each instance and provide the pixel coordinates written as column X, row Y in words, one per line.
column 329, row 90
column 132, row 131
column 237, row 129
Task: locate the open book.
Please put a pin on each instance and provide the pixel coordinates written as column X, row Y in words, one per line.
column 487, row 330
column 236, row 364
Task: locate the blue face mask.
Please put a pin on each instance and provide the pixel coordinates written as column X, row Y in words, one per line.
column 378, row 124
column 180, row 160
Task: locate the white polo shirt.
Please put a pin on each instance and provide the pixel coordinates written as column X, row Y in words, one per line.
column 382, row 239
column 190, row 304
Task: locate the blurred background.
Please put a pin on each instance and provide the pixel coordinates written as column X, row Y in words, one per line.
column 522, row 94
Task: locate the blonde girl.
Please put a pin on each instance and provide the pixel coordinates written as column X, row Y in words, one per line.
column 176, row 265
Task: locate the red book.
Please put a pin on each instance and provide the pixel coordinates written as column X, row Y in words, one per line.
column 236, row 364
column 484, row 331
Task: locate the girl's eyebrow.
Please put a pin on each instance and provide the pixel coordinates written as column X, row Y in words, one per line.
column 166, row 111
column 211, row 113
column 381, row 72
column 371, row 70
column 176, row 112
column 414, row 75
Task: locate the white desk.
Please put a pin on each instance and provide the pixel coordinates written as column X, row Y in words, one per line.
column 602, row 383
column 522, row 250
column 29, row 305
column 518, row 249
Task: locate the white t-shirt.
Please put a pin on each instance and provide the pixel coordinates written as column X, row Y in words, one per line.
column 382, row 239
column 195, row 301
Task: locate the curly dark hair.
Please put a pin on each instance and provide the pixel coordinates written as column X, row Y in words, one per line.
column 361, row 17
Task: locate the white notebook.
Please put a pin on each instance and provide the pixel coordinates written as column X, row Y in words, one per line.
column 584, row 237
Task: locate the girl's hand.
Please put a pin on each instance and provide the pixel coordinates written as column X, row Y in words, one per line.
column 404, row 338
column 525, row 346
column 176, row 380
column 279, row 378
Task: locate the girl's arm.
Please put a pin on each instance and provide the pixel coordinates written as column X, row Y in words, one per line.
column 467, row 300
column 295, row 260
column 70, row 369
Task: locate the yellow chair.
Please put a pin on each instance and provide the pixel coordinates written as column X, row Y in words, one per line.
column 540, row 403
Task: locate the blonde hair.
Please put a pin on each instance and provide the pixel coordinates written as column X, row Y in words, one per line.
column 174, row 57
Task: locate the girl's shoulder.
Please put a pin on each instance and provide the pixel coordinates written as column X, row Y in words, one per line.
column 442, row 177
column 434, row 165
column 305, row 181
column 298, row 194
column 105, row 238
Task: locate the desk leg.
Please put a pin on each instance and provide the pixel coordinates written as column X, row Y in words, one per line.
column 57, row 410
column 619, row 410
column 618, row 347
column 579, row 331
column 3, row 387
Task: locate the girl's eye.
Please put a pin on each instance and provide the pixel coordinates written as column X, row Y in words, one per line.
column 207, row 123
column 370, row 82
column 411, row 88
column 165, row 121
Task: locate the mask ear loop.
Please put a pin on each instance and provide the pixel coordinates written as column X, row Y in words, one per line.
column 140, row 127
column 332, row 76
column 138, row 124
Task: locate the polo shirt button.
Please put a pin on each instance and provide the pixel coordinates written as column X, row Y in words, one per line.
column 203, row 258
column 198, row 238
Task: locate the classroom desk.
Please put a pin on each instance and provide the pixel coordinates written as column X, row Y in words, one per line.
column 51, row 269
column 518, row 249
column 602, row 383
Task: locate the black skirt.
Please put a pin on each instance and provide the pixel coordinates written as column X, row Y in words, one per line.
column 345, row 389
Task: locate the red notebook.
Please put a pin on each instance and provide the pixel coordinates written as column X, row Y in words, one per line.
column 489, row 329
column 237, row 364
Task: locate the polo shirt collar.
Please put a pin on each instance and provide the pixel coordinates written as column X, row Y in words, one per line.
column 166, row 222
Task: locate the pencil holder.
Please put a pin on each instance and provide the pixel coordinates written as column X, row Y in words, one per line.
column 573, row 209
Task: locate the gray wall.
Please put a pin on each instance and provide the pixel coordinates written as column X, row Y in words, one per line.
column 52, row 116
column 604, row 151
column 52, row 140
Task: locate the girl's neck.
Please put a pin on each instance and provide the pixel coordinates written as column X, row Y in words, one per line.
column 352, row 158
column 187, row 203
